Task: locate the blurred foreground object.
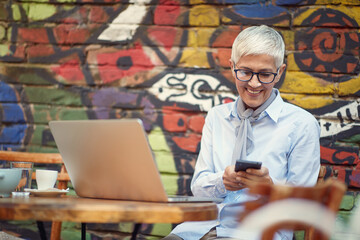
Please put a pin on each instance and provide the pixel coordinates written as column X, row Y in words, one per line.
column 279, row 207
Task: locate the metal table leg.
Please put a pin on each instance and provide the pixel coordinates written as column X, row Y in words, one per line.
column 42, row 231
column 137, row 227
column 83, row 231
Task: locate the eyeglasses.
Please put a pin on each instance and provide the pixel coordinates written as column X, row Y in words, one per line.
column 246, row 75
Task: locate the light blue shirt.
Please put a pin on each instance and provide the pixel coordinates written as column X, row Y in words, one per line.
column 286, row 141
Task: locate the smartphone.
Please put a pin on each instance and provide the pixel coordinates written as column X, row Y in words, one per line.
column 242, row 165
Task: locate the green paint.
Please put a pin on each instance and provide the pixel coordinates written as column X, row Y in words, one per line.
column 3, row 12
column 126, row 227
column 44, row 149
column 32, row 78
column 353, row 139
column 43, row 113
column 165, row 162
column 2, row 32
column 170, row 183
column 73, row 114
column 66, row 1
column 163, row 156
column 299, row 235
column 38, row 134
column 347, row 202
column 73, row 235
column 9, row 33
column 52, row 95
column 16, row 12
column 161, row 229
column 4, row 50
column 41, row 11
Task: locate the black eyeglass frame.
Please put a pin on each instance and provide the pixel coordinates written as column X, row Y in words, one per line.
column 257, row 75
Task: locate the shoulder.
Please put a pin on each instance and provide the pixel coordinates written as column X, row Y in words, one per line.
column 301, row 118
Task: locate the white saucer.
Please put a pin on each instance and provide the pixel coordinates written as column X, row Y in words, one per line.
column 51, row 192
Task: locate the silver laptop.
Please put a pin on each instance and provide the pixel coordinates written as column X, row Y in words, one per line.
column 112, row 159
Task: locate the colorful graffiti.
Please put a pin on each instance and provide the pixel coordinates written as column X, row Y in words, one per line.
column 167, row 63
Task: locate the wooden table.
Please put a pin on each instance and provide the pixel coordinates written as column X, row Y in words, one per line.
column 76, row 209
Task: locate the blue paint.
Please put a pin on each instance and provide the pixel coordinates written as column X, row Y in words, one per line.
column 288, row 2
column 259, row 11
column 13, row 134
column 242, row 1
column 7, row 94
column 12, row 113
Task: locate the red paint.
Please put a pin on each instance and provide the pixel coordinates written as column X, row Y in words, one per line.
column 19, row 52
column 70, row 34
column 222, row 56
column 338, row 156
column 166, row 15
column 226, row 37
column 70, row 71
column 98, row 15
column 196, row 123
column 307, row 62
column 188, row 143
column 164, row 36
column 175, row 122
column 40, row 51
column 351, row 67
column 108, row 63
column 35, row 35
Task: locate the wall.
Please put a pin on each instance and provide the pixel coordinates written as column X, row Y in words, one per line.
column 166, row 62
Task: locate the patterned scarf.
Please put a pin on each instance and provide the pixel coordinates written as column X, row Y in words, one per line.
column 245, row 140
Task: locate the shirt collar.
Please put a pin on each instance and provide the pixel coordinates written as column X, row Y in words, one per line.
column 273, row 110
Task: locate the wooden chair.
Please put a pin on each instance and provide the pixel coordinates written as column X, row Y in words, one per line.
column 42, row 158
column 328, row 193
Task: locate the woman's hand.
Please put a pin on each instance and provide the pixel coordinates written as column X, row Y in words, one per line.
column 234, row 181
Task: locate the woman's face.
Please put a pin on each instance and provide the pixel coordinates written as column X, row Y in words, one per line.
column 254, row 93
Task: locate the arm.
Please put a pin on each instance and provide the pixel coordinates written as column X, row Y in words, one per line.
column 207, row 178
column 304, row 156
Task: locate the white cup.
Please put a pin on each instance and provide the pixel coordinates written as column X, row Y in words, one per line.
column 45, row 179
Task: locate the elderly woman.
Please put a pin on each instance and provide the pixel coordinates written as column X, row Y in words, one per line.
column 258, row 126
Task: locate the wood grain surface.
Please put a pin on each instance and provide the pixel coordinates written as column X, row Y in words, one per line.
column 75, row 209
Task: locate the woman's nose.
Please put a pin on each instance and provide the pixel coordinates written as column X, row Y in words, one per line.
column 254, row 81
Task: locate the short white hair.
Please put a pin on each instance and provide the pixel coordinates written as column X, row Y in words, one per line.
column 257, row 40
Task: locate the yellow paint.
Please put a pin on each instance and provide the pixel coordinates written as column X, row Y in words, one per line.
column 225, row 19
column 204, row 15
column 300, row 82
column 194, row 2
column 307, row 102
column 300, row 18
column 199, row 37
column 297, row 81
column 4, row 50
column 194, row 57
column 352, row 12
column 283, row 23
column 349, row 87
column 289, row 37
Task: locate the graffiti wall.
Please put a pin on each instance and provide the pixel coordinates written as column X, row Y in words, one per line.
column 166, row 62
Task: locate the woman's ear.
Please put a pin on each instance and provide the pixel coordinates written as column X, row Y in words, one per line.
column 231, row 67
column 281, row 70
